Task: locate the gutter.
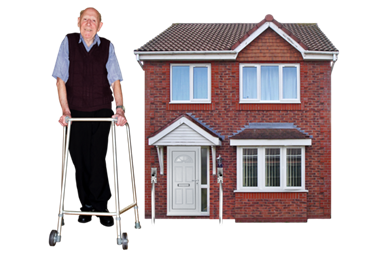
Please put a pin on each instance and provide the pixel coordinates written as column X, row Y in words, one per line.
column 218, row 55
column 333, row 62
column 186, row 55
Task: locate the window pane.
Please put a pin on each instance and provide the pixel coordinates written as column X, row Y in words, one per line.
column 204, row 166
column 290, row 82
column 249, row 82
column 200, row 82
column 250, row 168
column 272, row 167
column 204, row 200
column 269, row 83
column 180, row 83
column 294, row 167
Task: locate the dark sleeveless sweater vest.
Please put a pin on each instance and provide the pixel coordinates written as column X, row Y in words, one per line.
column 88, row 88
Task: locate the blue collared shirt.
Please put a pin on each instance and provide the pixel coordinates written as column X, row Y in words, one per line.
column 61, row 69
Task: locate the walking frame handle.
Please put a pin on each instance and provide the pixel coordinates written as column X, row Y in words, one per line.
column 67, row 119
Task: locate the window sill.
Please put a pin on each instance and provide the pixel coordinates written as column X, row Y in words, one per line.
column 190, row 106
column 269, row 102
column 269, row 191
column 269, row 106
column 191, row 103
column 189, row 214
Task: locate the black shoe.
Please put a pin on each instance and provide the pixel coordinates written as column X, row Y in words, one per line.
column 85, row 218
column 107, row 221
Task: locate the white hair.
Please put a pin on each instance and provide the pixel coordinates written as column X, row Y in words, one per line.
column 99, row 14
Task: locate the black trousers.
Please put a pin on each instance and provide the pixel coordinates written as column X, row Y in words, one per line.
column 88, row 149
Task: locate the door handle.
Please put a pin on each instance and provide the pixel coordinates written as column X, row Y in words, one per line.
column 195, row 181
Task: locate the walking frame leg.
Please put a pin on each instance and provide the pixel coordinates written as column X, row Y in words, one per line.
column 65, row 147
column 116, row 184
column 136, row 212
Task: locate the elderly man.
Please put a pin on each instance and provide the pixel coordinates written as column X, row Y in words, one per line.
column 85, row 69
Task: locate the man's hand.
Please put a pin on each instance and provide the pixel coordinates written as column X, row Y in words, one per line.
column 117, row 88
column 62, row 119
column 121, row 118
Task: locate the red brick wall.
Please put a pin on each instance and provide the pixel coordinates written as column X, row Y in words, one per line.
column 226, row 116
column 271, row 207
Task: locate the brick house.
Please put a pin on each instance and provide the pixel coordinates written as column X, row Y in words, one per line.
column 259, row 96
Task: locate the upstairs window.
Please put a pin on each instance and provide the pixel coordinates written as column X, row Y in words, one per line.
column 269, row 83
column 190, row 83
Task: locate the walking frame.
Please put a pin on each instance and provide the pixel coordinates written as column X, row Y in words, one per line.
column 55, row 235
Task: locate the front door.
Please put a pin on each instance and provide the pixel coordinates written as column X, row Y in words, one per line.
column 183, row 180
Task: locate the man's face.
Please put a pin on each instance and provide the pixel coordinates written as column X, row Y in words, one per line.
column 89, row 24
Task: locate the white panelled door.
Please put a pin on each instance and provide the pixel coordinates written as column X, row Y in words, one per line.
column 183, row 184
column 184, row 180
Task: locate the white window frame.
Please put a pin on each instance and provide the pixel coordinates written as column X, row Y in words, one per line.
column 258, row 100
column 191, row 99
column 261, row 170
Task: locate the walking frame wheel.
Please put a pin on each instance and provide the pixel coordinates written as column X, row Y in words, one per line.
column 53, row 238
column 124, row 241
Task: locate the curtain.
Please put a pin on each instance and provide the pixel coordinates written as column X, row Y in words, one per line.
column 289, row 82
column 250, row 168
column 200, row 83
column 269, row 83
column 272, row 167
column 249, row 82
column 294, row 167
column 180, row 82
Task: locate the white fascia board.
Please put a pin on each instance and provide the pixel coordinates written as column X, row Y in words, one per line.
column 320, row 55
column 187, row 55
column 266, row 142
column 214, row 140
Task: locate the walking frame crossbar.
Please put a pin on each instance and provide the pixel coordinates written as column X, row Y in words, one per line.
column 67, row 120
column 118, row 212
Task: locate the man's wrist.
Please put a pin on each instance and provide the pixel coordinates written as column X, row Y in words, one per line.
column 120, row 111
column 121, row 107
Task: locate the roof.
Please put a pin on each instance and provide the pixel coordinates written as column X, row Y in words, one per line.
column 193, row 124
column 270, row 131
column 270, row 134
column 227, row 36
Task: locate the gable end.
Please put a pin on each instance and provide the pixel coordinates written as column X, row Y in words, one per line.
column 269, row 46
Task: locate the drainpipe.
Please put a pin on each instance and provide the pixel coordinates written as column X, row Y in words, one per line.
column 138, row 60
column 220, row 181
column 153, row 181
column 335, row 58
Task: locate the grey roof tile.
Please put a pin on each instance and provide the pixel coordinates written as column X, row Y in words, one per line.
column 224, row 36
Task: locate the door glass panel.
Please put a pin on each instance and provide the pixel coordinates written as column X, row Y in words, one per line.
column 204, row 200
column 204, row 166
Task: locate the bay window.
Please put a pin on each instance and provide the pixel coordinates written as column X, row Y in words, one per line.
column 270, row 168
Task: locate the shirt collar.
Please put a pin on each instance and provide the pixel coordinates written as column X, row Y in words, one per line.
column 96, row 40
